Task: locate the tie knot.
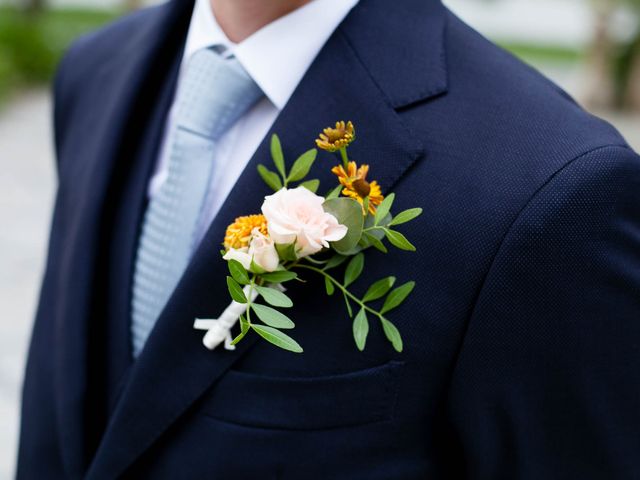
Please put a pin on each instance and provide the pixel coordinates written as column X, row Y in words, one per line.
column 214, row 93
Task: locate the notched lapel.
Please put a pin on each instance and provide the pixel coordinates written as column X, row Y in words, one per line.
column 175, row 369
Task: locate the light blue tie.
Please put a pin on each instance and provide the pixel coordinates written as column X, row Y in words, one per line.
column 214, row 93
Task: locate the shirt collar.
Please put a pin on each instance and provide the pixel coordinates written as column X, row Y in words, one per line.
column 278, row 55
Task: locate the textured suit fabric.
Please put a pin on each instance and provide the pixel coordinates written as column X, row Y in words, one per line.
column 522, row 340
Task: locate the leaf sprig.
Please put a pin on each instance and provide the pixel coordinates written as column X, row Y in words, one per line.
column 262, row 292
column 299, row 169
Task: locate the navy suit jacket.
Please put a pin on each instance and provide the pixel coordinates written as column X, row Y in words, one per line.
column 522, row 338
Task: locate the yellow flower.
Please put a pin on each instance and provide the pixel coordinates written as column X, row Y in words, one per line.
column 356, row 186
column 333, row 139
column 238, row 233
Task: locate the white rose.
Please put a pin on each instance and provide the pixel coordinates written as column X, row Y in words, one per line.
column 261, row 250
column 297, row 215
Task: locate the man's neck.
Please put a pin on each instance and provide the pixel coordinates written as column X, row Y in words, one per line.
column 240, row 18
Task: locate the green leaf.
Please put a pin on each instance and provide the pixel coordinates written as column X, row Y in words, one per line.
column 279, row 276
column 302, row 165
column 335, row 193
column 311, row 185
column 335, row 261
column 270, row 178
column 399, row 240
column 397, row 296
column 384, row 208
column 278, row 338
column 392, row 334
column 277, row 155
column 406, row 216
column 346, row 300
column 274, row 297
column 244, row 328
column 328, row 284
column 354, row 269
column 379, row 289
column 349, row 213
column 235, row 290
column 360, row 329
column 244, row 324
column 255, row 268
column 238, row 272
column 376, row 230
column 372, row 240
column 286, row 252
column 272, row 317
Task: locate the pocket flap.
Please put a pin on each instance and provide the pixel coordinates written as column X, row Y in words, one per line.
column 295, row 403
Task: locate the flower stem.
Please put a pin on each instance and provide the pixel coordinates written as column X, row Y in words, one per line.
column 252, row 283
column 345, row 159
column 342, row 288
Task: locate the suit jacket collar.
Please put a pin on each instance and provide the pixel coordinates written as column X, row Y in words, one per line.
column 348, row 80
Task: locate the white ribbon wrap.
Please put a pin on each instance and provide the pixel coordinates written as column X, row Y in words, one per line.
column 219, row 329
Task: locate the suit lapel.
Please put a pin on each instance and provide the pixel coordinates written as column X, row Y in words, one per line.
column 174, row 368
column 102, row 148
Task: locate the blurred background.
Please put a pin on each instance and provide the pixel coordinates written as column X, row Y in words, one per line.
column 590, row 47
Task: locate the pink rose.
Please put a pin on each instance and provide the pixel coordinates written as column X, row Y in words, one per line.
column 296, row 215
column 261, row 250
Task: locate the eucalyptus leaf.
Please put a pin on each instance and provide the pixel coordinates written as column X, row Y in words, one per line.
column 399, row 240
column 277, row 155
column 272, row 317
column 311, row 185
column 328, row 285
column 274, row 297
column 270, row 178
column 354, row 269
column 360, row 329
column 235, row 290
column 349, row 213
column 278, row 338
column 279, row 276
column 238, row 272
column 392, row 334
column 406, row 216
column 384, row 208
column 302, row 165
column 379, row 289
column 397, row 296
column 335, row 193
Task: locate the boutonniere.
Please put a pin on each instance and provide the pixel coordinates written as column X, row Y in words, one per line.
column 300, row 232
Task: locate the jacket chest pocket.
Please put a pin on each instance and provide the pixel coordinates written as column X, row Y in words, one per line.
column 298, row 403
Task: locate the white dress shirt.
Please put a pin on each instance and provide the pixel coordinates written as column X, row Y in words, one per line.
column 277, row 56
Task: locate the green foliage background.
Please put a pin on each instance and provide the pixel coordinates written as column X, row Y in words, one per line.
column 31, row 44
